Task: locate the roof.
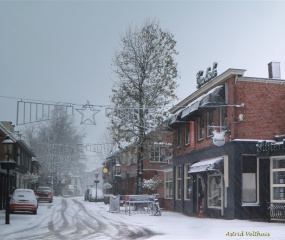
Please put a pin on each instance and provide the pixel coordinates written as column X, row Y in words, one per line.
column 215, row 82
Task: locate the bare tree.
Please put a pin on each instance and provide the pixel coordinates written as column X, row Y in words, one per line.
column 57, row 144
column 146, row 72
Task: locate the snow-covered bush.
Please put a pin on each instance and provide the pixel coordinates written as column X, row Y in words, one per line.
column 153, row 183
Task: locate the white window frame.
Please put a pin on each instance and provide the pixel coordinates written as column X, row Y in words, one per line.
column 168, row 186
column 187, row 180
column 276, row 185
column 209, row 130
column 210, row 176
column 160, row 152
column 178, row 182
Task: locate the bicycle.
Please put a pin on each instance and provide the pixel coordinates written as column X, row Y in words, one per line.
column 154, row 206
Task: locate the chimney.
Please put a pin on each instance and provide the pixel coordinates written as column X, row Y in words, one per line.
column 8, row 126
column 274, row 70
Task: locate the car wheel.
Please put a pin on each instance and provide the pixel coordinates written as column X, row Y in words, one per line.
column 35, row 212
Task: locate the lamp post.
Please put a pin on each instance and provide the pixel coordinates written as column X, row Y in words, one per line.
column 118, row 175
column 8, row 164
column 96, row 181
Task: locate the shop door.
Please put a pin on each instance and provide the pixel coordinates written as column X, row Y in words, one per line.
column 198, row 194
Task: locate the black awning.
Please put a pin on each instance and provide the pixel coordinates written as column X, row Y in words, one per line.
column 175, row 120
column 207, row 165
column 213, row 98
column 190, row 111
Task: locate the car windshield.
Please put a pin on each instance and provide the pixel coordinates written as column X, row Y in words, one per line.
column 44, row 189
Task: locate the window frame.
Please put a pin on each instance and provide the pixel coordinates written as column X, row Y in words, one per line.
column 187, row 134
column 209, row 182
column 188, row 178
column 276, row 185
column 201, row 128
column 178, row 137
column 244, row 174
column 178, row 183
column 168, row 184
column 210, row 120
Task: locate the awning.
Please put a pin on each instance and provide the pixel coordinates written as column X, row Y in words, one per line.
column 175, row 119
column 207, row 165
column 213, row 98
column 189, row 111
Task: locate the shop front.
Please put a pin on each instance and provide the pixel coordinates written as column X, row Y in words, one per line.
column 274, row 152
column 223, row 182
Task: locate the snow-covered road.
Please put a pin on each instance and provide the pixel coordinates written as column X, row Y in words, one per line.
column 74, row 219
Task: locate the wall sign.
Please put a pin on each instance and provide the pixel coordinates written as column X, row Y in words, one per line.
column 219, row 138
column 270, row 146
column 210, row 74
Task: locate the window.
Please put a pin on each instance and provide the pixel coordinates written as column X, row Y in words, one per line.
column 160, row 152
column 250, row 176
column 201, row 126
column 178, row 182
column 223, row 116
column 210, row 120
column 215, row 191
column 188, row 189
column 168, row 187
column 178, row 137
column 278, row 179
column 187, row 133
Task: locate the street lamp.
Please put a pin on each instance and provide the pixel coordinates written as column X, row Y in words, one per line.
column 8, row 164
column 96, row 181
column 118, row 175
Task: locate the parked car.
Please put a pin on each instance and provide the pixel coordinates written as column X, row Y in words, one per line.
column 24, row 200
column 45, row 194
column 86, row 195
column 93, row 197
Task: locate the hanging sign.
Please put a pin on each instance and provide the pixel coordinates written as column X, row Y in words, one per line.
column 210, row 74
column 219, row 138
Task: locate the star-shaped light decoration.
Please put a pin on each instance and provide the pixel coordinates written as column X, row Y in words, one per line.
column 88, row 114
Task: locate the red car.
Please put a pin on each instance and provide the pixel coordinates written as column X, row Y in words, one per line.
column 23, row 200
column 44, row 194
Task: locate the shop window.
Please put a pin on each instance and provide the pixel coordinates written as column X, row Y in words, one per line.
column 210, row 120
column 250, row 176
column 188, row 186
column 178, row 182
column 278, row 179
column 215, row 191
column 178, row 137
column 201, row 126
column 168, row 186
column 187, row 134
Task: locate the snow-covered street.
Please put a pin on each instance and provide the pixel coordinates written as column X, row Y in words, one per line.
column 73, row 218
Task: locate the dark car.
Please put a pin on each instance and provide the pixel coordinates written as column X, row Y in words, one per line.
column 44, row 194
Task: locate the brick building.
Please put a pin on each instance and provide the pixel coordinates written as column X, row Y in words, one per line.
column 157, row 159
column 222, row 132
column 23, row 156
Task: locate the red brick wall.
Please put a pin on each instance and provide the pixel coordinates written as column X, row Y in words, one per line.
column 264, row 114
column 264, row 110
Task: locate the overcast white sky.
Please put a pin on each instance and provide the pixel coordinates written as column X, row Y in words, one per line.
column 61, row 51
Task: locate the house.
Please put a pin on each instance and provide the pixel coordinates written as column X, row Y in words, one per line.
column 228, row 149
column 26, row 167
column 157, row 159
